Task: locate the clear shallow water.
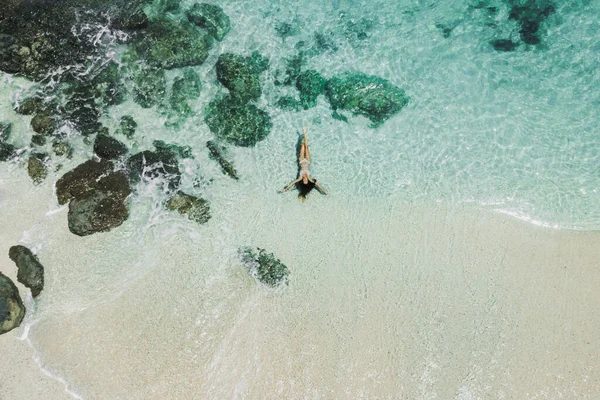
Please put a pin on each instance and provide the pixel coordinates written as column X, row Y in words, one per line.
column 513, row 131
column 516, row 132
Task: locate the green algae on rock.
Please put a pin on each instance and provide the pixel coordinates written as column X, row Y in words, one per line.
column 12, row 310
column 240, row 124
column 127, row 126
column 30, row 270
column 149, row 86
column 367, row 95
column 264, row 266
column 240, row 75
column 310, row 84
column 210, row 17
column 169, row 44
column 218, row 153
column 195, row 208
column 36, row 167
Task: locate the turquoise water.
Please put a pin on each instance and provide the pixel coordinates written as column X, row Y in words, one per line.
column 384, row 285
column 513, row 131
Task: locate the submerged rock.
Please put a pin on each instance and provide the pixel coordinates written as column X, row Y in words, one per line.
column 530, row 15
column 169, row 148
column 7, row 151
column 81, row 110
column 240, row 124
column 219, row 154
column 169, row 44
column 97, row 211
column 108, row 147
column 210, row 17
column 285, row 30
column 367, row 95
column 185, row 88
column 83, row 178
column 503, row 45
column 195, row 208
column 154, row 164
column 38, row 140
column 12, row 310
column 43, row 123
column 310, row 84
column 240, row 75
column 149, row 86
column 5, row 128
column 36, row 167
column 127, row 126
column 30, row 106
column 62, row 148
column 264, row 266
column 289, row 103
column 30, row 271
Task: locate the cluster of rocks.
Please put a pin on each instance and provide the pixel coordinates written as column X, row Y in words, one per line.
column 529, row 16
column 31, row 274
column 263, row 266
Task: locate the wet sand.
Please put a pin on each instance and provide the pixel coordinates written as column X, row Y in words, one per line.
column 386, row 300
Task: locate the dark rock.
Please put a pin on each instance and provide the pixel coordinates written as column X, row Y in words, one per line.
column 195, row 208
column 82, row 111
column 285, row 30
column 530, row 15
column 168, row 44
column 7, row 151
column 38, row 140
column 238, row 74
column 240, row 124
column 30, row 106
column 43, row 123
column 130, row 18
column 169, row 148
column 62, row 148
column 293, row 67
column 264, row 266
column 108, row 85
column 10, row 59
column 12, row 310
column 310, row 84
column 127, row 126
column 96, row 211
column 83, row 178
column 371, row 96
column 289, row 103
column 219, row 154
column 5, row 128
column 36, row 167
column 210, row 17
column 149, row 86
column 108, row 147
column 446, row 30
column 154, row 164
column 31, row 272
column 503, row 45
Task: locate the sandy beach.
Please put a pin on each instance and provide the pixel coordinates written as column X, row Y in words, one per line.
column 396, row 301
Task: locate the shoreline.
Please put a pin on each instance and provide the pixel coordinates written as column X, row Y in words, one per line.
column 384, row 300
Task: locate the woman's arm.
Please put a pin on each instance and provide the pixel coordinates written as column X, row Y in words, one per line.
column 290, row 185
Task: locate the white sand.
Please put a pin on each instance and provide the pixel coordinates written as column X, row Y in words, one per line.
column 385, row 301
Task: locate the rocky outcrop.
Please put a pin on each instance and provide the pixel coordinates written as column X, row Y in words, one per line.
column 195, row 208
column 239, row 124
column 169, row 44
column 30, row 271
column 36, row 167
column 97, row 196
column 149, row 86
column 240, row 75
column 12, row 310
column 311, row 85
column 367, row 95
column 219, row 154
column 264, row 266
column 127, row 126
column 154, row 164
column 210, row 17
column 109, row 148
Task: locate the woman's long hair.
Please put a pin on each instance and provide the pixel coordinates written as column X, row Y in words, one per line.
column 304, row 190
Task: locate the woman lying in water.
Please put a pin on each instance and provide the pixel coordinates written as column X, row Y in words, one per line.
column 304, row 181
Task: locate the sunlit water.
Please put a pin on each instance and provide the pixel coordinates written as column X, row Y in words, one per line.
column 516, row 132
